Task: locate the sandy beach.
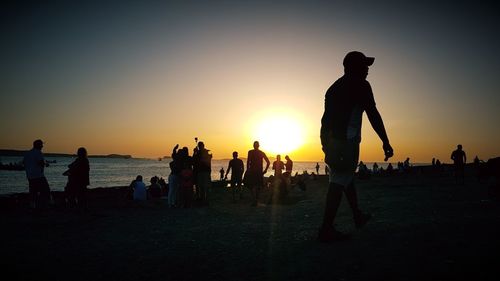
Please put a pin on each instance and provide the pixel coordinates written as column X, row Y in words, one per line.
column 424, row 227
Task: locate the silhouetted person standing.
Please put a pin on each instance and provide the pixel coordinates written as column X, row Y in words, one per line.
column 34, row 163
column 278, row 182
column 78, row 180
column 288, row 166
column 255, row 173
column 237, row 168
column 459, row 160
column 317, row 168
column 345, row 102
column 202, row 167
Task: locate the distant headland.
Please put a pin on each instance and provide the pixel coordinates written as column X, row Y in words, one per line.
column 12, row 152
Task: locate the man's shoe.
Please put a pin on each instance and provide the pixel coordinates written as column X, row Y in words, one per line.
column 330, row 234
column 361, row 219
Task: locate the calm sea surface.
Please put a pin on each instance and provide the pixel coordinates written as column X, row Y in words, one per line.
column 108, row 172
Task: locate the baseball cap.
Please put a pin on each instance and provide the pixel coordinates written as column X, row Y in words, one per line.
column 356, row 58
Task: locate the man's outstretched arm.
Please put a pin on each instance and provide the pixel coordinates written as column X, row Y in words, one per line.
column 378, row 126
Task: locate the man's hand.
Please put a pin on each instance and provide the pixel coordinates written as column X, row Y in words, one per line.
column 388, row 152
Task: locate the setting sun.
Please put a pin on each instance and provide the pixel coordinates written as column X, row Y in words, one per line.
column 279, row 134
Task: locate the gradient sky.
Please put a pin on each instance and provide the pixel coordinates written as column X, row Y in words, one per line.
column 136, row 78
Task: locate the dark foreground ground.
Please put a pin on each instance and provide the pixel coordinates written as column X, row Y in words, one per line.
column 424, row 228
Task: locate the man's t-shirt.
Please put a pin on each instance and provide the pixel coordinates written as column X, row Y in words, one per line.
column 236, row 165
column 458, row 157
column 140, row 191
column 345, row 102
column 33, row 160
column 254, row 160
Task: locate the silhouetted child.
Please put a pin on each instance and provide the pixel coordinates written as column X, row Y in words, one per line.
column 221, row 172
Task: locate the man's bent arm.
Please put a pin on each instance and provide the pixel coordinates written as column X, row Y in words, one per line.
column 267, row 163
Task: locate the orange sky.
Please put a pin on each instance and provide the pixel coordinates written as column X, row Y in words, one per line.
column 128, row 84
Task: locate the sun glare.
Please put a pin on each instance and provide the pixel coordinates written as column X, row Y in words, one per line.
column 279, row 134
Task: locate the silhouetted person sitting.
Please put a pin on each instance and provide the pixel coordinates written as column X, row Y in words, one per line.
column 345, row 102
column 375, row 168
column 139, row 189
column 459, row 160
column 390, row 169
column 363, row 172
column 78, row 180
column 406, row 165
column 154, row 189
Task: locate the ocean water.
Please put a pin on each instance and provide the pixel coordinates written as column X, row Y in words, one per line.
column 109, row 172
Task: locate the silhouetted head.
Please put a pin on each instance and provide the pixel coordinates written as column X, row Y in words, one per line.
column 459, row 147
column 256, row 144
column 286, row 157
column 185, row 151
column 38, row 144
column 356, row 64
column 81, row 152
column 201, row 145
column 138, row 178
column 235, row 154
column 278, row 157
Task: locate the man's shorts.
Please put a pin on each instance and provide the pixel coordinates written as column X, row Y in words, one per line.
column 342, row 157
column 39, row 185
column 253, row 179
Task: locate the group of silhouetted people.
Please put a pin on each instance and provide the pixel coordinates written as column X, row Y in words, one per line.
column 189, row 180
column 39, row 189
column 139, row 192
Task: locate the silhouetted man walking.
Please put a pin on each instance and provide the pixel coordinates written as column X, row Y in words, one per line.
column 345, row 102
